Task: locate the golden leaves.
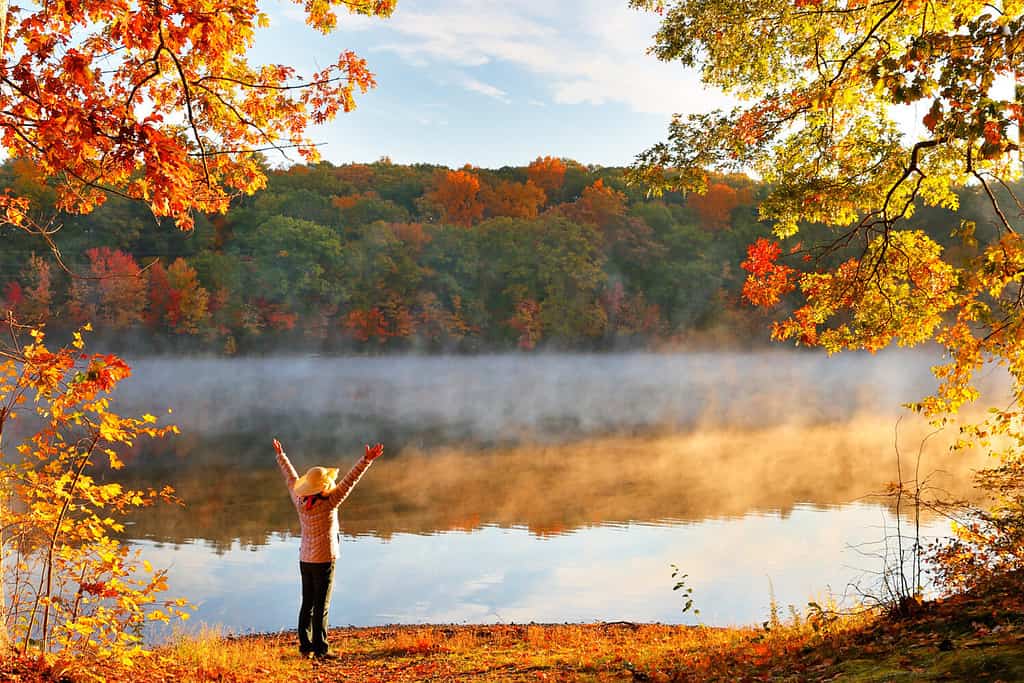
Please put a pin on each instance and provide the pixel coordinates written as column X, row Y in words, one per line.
column 61, row 503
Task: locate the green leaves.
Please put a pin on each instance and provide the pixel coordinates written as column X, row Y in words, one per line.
column 685, row 590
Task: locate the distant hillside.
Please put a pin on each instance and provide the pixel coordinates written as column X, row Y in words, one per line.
column 393, row 257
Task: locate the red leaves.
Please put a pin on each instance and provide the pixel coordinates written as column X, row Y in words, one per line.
column 106, row 371
column 934, row 116
column 115, row 295
column 366, row 324
column 13, row 296
column 100, row 589
column 527, row 322
column 76, row 68
column 768, row 281
column 992, row 132
column 176, row 300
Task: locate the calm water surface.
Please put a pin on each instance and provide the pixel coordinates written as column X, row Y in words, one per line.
column 535, row 488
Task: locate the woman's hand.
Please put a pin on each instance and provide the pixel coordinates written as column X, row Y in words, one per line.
column 374, row 452
column 278, row 448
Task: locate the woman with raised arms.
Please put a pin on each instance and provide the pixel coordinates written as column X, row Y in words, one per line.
column 316, row 496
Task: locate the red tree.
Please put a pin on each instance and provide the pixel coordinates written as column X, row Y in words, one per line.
column 114, row 294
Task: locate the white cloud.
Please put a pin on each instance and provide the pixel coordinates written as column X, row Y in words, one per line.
column 584, row 51
column 487, row 89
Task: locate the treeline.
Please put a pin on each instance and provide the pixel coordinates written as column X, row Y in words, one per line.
column 388, row 256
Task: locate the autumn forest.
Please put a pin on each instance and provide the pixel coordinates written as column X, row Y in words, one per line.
column 372, row 257
column 835, row 175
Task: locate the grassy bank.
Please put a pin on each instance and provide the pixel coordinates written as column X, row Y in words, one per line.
column 974, row 637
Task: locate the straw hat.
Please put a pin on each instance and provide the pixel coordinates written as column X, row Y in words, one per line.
column 316, row 480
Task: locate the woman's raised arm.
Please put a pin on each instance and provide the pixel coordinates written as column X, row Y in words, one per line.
column 289, row 473
column 345, row 486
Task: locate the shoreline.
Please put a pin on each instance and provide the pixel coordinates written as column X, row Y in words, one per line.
column 974, row 636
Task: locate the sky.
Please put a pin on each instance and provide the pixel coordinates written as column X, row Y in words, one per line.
column 494, row 82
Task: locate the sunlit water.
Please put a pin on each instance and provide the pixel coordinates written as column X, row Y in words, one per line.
column 549, row 488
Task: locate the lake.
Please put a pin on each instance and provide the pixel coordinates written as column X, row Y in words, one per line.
column 547, row 488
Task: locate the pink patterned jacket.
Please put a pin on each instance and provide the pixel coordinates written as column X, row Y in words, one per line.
column 320, row 523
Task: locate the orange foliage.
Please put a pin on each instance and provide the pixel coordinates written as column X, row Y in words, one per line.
column 161, row 104
column 768, row 280
column 436, row 323
column 275, row 316
column 360, row 176
column 398, row 320
column 456, row 194
column 193, row 300
column 348, row 201
column 410, row 233
column 366, row 324
column 176, row 300
column 516, row 200
column 598, row 205
column 547, row 173
column 715, row 206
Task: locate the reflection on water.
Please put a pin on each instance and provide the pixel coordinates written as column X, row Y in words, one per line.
column 238, row 495
column 502, row 575
column 544, row 489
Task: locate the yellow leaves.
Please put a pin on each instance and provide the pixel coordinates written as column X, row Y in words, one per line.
column 112, row 429
column 114, row 460
column 81, row 627
column 899, row 291
column 59, row 499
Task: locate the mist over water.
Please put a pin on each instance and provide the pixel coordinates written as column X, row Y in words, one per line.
column 547, row 487
column 523, row 398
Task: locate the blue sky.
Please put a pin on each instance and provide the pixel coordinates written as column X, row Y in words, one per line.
column 494, row 82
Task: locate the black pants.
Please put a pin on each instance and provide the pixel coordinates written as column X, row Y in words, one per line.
column 317, row 579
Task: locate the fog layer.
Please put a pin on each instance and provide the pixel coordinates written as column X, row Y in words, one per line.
column 510, row 399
